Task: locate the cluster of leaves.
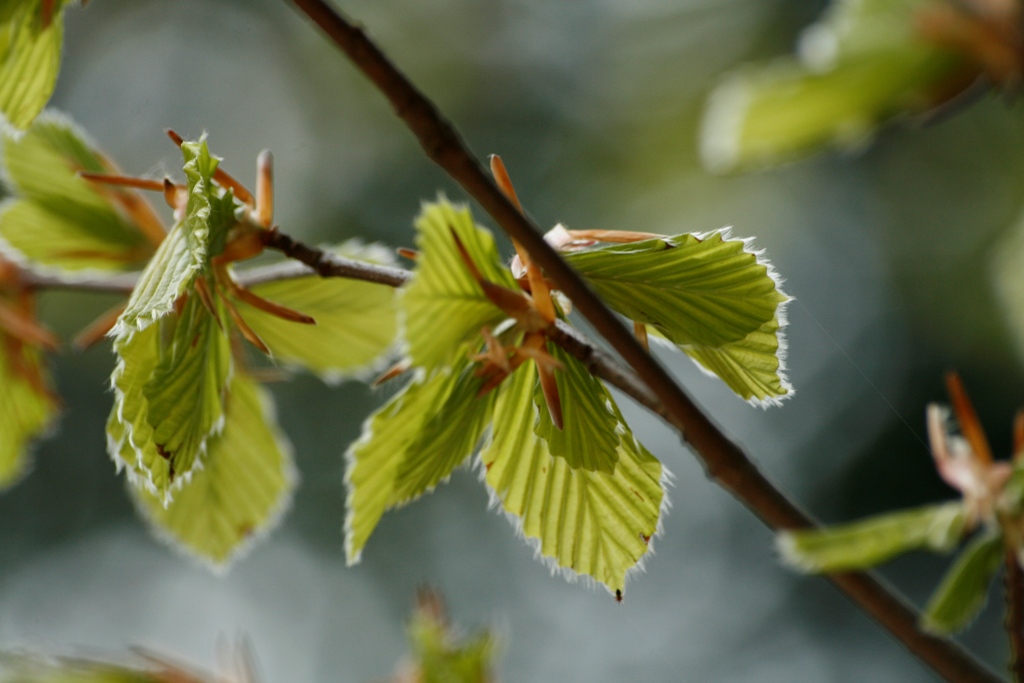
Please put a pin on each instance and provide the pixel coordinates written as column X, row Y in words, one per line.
column 862, row 64
column 438, row 654
column 990, row 512
column 195, row 433
column 190, row 425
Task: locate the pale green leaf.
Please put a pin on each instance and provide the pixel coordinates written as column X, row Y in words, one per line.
column 29, row 61
column 185, row 253
column 21, row 668
column 588, row 439
column 27, row 408
column 863, row 64
column 440, row 655
column 964, row 590
column 129, row 433
column 708, row 291
column 875, row 540
column 752, row 367
column 185, row 394
column 58, row 220
column 356, row 322
column 444, row 306
column 585, row 522
column 410, row 445
column 240, row 492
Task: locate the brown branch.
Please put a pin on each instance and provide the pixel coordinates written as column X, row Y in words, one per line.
column 724, row 461
column 1014, row 620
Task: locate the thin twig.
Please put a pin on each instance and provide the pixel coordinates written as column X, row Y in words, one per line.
column 1014, row 621
column 724, row 461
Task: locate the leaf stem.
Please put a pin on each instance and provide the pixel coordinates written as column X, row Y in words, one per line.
column 724, row 461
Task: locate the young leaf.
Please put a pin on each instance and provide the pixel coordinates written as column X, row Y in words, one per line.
column 587, row 522
column 875, row 540
column 444, row 306
column 964, row 590
column 708, row 291
column 29, row 59
column 589, row 438
column 27, row 408
column 185, row 394
column 752, row 367
column 59, row 220
column 185, row 253
column 410, row 445
column 356, row 322
column 241, row 490
column 864, row 63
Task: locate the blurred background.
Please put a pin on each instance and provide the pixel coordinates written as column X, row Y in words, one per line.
column 595, row 108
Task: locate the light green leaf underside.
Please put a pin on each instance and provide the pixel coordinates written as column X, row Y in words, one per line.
column 129, row 434
column 863, row 64
column 238, row 495
column 185, row 394
column 588, row 439
column 59, row 220
column 751, row 367
column 872, row 541
column 29, row 62
column 708, row 291
column 592, row 523
column 410, row 445
column 184, row 254
column 444, row 306
column 25, row 411
column 356, row 322
column 964, row 590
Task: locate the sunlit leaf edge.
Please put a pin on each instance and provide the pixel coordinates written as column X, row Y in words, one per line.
column 780, row 316
column 292, row 479
column 31, row 445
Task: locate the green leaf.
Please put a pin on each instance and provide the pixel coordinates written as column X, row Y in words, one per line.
column 22, row 668
column 185, row 394
column 588, row 439
column 861, row 66
column 239, row 494
column 753, row 367
column 356, row 322
column 964, row 590
column 168, row 398
column 411, row 445
column 585, row 522
column 875, row 540
column 29, row 61
column 61, row 221
column 27, row 408
column 444, row 306
column 186, row 251
column 440, row 656
column 708, row 290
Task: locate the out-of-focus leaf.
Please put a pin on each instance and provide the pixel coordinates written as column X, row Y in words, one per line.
column 186, row 251
column 587, row 522
column 871, row 541
column 964, row 590
column 753, row 367
column 185, row 394
column 58, row 220
column 29, row 60
column 588, row 438
column 356, row 322
column 27, row 408
column 238, row 495
column 864, row 63
column 444, row 306
column 708, row 291
column 410, row 445
column 440, row 656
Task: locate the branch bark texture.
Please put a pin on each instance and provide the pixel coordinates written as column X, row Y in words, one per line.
column 724, row 461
